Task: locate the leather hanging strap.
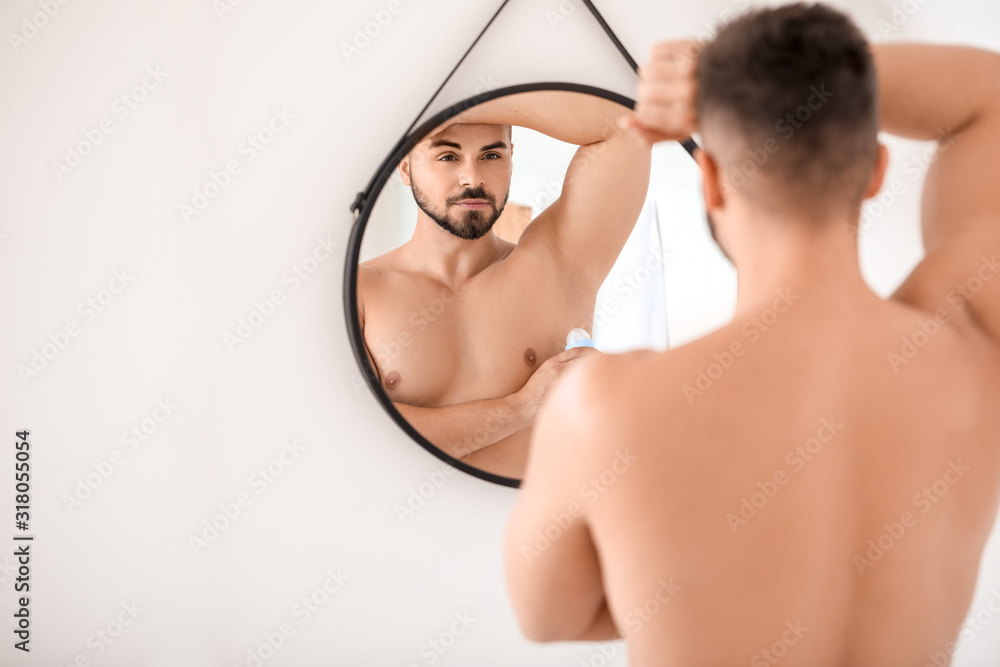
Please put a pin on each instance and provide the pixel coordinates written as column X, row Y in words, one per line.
column 689, row 144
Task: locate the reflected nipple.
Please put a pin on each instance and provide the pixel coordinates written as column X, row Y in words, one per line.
column 392, row 380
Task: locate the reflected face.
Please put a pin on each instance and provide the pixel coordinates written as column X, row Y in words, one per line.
column 460, row 177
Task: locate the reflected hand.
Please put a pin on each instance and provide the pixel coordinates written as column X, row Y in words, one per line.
column 537, row 387
column 666, row 95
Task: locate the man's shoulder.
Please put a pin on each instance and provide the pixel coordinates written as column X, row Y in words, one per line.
column 628, row 379
column 956, row 279
column 380, row 269
column 616, row 396
column 609, row 395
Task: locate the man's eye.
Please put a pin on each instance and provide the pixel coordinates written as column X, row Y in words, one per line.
column 492, row 156
column 448, row 158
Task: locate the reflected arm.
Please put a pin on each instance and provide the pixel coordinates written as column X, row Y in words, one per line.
column 459, row 430
column 575, row 118
column 605, row 185
column 462, row 429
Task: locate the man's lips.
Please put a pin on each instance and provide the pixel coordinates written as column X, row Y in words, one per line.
column 472, row 203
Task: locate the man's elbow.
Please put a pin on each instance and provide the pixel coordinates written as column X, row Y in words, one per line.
column 538, row 621
column 543, row 626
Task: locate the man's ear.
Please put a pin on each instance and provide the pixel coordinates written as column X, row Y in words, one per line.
column 404, row 170
column 712, row 186
column 878, row 173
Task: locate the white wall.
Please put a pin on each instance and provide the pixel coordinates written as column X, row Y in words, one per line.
column 161, row 336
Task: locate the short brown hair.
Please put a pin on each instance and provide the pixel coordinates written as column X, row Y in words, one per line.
column 797, row 86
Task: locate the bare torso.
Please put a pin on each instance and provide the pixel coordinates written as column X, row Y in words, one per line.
column 813, row 484
column 798, row 515
column 435, row 346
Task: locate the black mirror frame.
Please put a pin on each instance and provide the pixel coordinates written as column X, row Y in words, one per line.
column 363, row 206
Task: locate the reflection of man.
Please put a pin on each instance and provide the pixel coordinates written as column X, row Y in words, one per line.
column 824, row 498
column 466, row 330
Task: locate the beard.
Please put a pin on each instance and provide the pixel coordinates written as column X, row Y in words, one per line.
column 467, row 224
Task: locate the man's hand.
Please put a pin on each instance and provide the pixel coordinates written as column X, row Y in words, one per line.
column 536, row 388
column 665, row 98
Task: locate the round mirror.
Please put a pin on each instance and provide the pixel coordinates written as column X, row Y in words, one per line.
column 507, row 237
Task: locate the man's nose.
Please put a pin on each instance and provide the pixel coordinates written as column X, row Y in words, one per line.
column 471, row 176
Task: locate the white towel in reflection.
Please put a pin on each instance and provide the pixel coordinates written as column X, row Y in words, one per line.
column 631, row 307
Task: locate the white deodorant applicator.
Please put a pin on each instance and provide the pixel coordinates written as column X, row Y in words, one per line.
column 578, row 338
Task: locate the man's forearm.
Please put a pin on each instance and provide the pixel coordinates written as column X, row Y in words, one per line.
column 571, row 117
column 464, row 428
column 928, row 91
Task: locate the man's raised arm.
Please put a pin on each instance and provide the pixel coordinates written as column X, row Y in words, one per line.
column 605, row 185
column 951, row 95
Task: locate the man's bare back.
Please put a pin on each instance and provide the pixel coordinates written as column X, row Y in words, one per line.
column 813, row 483
column 466, row 334
column 791, row 492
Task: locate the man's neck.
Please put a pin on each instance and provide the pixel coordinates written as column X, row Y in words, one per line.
column 451, row 259
column 819, row 262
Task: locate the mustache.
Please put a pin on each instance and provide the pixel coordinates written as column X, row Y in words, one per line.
column 473, row 193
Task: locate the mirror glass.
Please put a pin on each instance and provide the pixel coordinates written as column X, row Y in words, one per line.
column 489, row 244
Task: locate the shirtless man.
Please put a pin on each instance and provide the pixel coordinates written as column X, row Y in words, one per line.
column 479, row 324
column 813, row 483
